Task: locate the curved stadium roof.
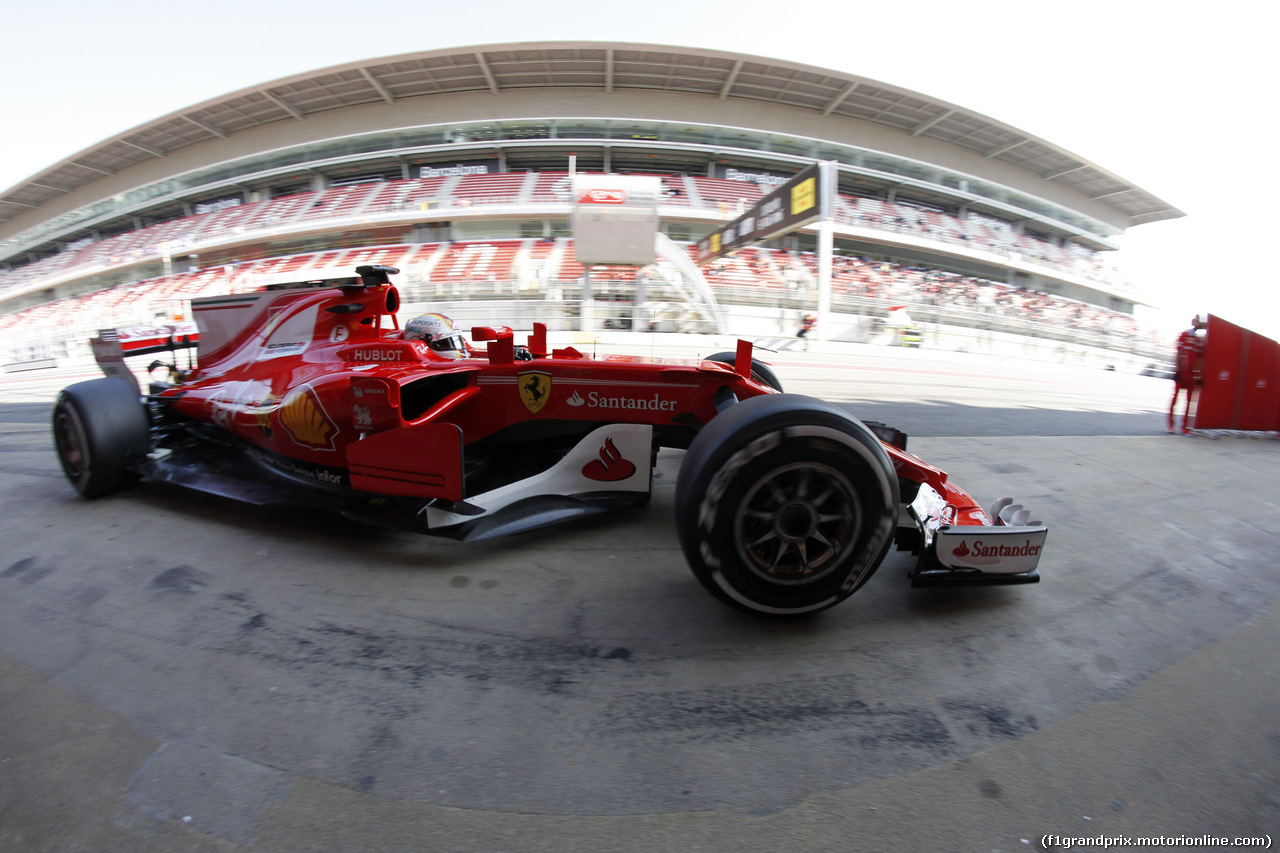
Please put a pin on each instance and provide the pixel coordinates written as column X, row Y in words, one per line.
column 604, row 66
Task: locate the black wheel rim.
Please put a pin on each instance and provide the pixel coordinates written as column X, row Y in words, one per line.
column 72, row 445
column 797, row 523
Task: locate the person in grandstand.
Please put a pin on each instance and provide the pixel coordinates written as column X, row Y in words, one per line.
column 1188, row 370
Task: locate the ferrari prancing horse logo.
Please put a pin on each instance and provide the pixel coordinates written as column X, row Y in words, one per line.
column 535, row 390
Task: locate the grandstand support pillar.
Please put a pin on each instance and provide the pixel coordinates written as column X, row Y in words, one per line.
column 586, row 305
column 166, row 257
column 826, row 248
column 637, row 305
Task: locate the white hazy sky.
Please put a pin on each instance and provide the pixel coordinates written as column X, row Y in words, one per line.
column 1175, row 97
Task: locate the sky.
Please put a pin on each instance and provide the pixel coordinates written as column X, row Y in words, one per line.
column 1172, row 97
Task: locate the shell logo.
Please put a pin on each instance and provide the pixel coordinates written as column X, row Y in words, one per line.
column 306, row 421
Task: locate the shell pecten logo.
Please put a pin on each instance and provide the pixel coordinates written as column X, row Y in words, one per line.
column 306, row 421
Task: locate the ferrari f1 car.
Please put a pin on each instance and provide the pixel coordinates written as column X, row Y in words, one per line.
column 311, row 394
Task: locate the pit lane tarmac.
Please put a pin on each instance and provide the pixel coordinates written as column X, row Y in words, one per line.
column 582, row 671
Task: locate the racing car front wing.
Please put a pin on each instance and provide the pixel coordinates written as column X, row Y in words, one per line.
column 1005, row 551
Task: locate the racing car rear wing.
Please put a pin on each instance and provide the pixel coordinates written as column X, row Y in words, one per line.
column 112, row 346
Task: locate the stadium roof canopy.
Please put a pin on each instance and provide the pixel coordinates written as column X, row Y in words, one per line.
column 605, row 66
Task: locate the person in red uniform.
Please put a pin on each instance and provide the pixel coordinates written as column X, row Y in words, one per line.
column 1187, row 375
column 807, row 322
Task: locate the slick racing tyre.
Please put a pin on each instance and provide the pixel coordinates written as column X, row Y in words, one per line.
column 100, row 428
column 785, row 505
column 759, row 372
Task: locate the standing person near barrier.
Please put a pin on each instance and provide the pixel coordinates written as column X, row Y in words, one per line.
column 807, row 322
column 1188, row 370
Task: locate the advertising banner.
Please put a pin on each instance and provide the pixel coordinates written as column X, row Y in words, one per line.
column 793, row 205
column 217, row 205
column 457, row 170
column 615, row 218
column 764, row 178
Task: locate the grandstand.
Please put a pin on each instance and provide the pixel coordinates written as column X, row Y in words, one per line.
column 969, row 223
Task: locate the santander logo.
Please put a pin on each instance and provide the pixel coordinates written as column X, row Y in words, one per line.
column 609, row 467
column 576, row 399
column 988, row 554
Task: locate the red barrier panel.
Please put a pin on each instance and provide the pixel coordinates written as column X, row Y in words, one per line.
column 1241, row 380
column 1217, row 397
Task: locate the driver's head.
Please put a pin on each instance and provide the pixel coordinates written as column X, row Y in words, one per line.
column 437, row 332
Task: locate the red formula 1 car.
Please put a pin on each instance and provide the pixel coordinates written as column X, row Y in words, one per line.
column 311, row 394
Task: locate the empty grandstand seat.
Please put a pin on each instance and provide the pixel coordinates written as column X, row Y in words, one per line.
column 728, row 195
column 552, row 187
column 490, row 189
column 341, row 201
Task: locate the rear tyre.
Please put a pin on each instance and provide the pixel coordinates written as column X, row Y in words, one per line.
column 785, row 505
column 760, row 372
column 100, row 428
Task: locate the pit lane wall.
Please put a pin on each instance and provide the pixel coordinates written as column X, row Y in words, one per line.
column 1241, row 388
column 776, row 328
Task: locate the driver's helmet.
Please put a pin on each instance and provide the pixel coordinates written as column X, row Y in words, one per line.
column 437, row 332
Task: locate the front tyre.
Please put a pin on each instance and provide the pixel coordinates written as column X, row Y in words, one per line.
column 100, row 428
column 785, row 505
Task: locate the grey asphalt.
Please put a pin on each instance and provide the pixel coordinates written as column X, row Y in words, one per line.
column 181, row 673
